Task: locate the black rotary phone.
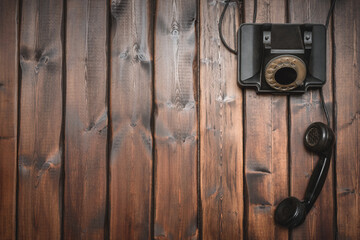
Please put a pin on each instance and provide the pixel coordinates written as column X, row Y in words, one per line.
column 289, row 59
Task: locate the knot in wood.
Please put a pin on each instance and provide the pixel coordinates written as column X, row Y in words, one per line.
column 175, row 28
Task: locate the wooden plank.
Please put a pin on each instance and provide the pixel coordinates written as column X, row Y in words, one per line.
column 86, row 120
column 221, row 148
column 176, row 132
column 131, row 108
column 40, row 138
column 347, row 77
column 266, row 145
column 8, row 116
column 304, row 110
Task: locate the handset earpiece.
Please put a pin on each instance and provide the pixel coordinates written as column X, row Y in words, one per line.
column 291, row 212
column 320, row 139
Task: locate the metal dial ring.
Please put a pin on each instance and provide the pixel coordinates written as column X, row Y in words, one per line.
column 285, row 61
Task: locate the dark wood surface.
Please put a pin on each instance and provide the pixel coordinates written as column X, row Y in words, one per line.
column 40, row 150
column 175, row 120
column 131, row 153
column 8, row 116
column 122, row 119
column 221, row 171
column 347, row 113
column 86, row 120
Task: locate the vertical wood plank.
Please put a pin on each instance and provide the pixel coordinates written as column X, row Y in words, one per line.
column 176, row 132
column 8, row 116
column 266, row 144
column 347, row 77
column 304, row 110
column 131, row 108
column 221, row 147
column 40, row 138
column 86, row 119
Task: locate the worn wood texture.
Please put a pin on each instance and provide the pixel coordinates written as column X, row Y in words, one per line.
column 131, row 107
column 266, row 145
column 221, row 168
column 176, row 120
column 347, row 77
column 40, row 137
column 304, row 110
column 8, row 116
column 151, row 138
column 86, row 120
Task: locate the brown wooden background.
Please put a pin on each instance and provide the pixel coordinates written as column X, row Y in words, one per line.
column 122, row 119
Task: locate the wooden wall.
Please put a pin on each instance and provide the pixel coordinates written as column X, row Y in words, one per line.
column 122, row 119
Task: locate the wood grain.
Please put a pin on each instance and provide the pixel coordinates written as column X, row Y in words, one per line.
column 347, row 77
column 304, row 110
column 131, row 108
column 86, row 120
column 159, row 134
column 221, row 148
column 8, row 116
column 40, row 139
column 266, row 145
column 176, row 132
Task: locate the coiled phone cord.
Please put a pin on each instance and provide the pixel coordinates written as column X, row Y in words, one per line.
column 234, row 51
column 220, row 29
column 331, row 10
column 221, row 21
